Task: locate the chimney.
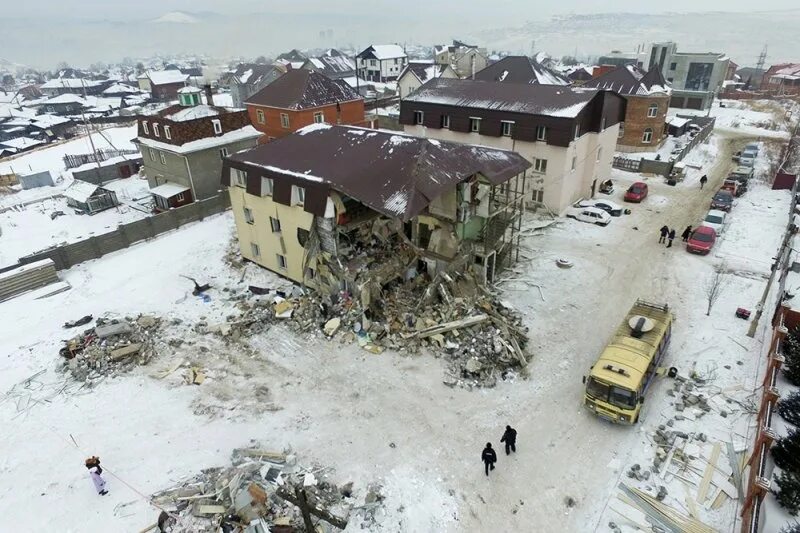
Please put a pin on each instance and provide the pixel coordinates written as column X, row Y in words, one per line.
column 209, row 94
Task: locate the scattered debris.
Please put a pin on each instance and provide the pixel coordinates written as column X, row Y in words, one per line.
column 80, row 322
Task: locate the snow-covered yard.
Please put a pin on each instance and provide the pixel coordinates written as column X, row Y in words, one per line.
column 386, row 417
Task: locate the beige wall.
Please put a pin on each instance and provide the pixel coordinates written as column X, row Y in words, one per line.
column 561, row 185
column 409, row 82
column 260, row 232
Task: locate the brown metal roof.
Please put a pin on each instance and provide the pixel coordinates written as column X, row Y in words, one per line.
column 395, row 174
column 630, row 80
column 547, row 100
column 303, row 89
column 521, row 69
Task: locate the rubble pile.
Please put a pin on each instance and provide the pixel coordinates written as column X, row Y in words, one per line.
column 112, row 346
column 262, row 490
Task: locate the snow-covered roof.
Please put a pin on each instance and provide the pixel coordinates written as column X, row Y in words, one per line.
column 521, row 69
column 48, row 121
column 119, row 88
column 164, row 77
column 677, row 122
column 80, row 191
column 67, row 98
column 423, row 70
column 70, row 83
column 385, row 51
column 332, row 65
column 21, row 143
column 242, row 134
column 548, row 100
column 192, row 113
column 632, row 81
column 190, row 89
column 168, row 190
column 303, row 89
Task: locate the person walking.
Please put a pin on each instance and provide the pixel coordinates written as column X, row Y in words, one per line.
column 510, row 438
column 95, row 471
column 686, row 233
column 703, row 181
column 671, row 236
column 664, row 231
column 488, row 457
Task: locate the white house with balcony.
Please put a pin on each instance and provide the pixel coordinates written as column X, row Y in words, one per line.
column 381, row 62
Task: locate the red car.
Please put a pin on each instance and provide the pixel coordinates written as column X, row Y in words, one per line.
column 702, row 240
column 636, row 192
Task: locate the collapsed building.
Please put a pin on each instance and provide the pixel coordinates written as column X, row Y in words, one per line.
column 307, row 206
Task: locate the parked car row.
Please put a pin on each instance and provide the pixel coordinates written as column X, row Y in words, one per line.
column 594, row 211
column 703, row 238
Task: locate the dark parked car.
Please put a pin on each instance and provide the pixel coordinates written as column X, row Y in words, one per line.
column 722, row 200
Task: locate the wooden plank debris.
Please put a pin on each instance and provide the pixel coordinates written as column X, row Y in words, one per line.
column 712, row 462
column 450, row 326
column 733, row 459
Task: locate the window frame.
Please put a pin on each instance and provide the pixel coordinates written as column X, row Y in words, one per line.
column 540, row 165
column 507, row 128
column 577, row 132
column 217, row 126
column 168, row 132
column 543, row 135
column 266, row 183
column 445, row 122
column 261, row 118
column 275, row 223
column 240, row 178
column 223, row 152
column 156, row 130
column 179, row 197
column 419, row 118
column 621, row 132
column 474, row 124
column 574, row 163
column 255, row 249
column 162, row 158
column 282, row 263
column 152, row 154
column 319, row 117
column 652, row 111
column 248, row 215
column 647, row 136
column 599, row 154
column 285, row 124
column 145, row 128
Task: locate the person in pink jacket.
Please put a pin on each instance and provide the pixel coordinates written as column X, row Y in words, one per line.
column 95, row 471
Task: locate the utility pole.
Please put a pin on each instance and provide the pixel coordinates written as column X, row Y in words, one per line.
column 762, row 59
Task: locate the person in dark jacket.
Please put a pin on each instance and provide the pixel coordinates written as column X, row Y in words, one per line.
column 671, row 237
column 703, row 181
column 488, row 457
column 664, row 231
column 686, row 233
column 510, row 438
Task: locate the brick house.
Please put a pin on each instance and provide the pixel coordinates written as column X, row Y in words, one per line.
column 568, row 134
column 648, row 97
column 183, row 145
column 302, row 97
column 782, row 79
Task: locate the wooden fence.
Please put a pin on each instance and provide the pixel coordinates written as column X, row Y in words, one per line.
column 77, row 160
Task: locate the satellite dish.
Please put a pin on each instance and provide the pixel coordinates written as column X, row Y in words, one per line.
column 640, row 325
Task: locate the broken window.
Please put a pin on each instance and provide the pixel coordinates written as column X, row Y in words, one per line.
column 302, row 236
column 254, row 249
column 281, row 261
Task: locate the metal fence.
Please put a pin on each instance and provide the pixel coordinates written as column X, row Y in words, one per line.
column 664, row 168
column 68, row 255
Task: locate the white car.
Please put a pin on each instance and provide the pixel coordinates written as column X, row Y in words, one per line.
column 612, row 208
column 592, row 215
column 715, row 219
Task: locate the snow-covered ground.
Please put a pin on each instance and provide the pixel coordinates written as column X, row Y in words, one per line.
column 384, row 417
column 29, row 228
column 758, row 118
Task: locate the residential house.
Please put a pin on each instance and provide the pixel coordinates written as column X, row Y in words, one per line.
column 782, row 79
column 647, row 95
column 568, row 134
column 751, row 77
column 580, row 74
column 19, row 144
column 249, row 78
column 183, row 145
column 418, row 72
column 163, row 84
column 302, row 97
column 521, row 69
column 381, row 62
column 293, row 59
column 333, row 64
column 304, row 203
column 695, row 78
column 89, row 197
column 65, row 104
column 81, row 86
column 465, row 59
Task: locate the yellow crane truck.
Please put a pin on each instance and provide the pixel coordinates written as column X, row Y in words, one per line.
column 618, row 381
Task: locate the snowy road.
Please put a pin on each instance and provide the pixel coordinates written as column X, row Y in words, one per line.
column 341, row 406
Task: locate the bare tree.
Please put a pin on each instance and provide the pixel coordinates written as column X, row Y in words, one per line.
column 714, row 287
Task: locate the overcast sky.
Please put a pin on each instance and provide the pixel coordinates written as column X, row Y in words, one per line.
column 513, row 8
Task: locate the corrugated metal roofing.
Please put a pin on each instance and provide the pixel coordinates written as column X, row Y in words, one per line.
column 397, row 175
column 302, row 89
column 630, row 80
column 521, row 69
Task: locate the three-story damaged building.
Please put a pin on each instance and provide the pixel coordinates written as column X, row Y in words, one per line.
column 568, row 134
column 348, row 208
